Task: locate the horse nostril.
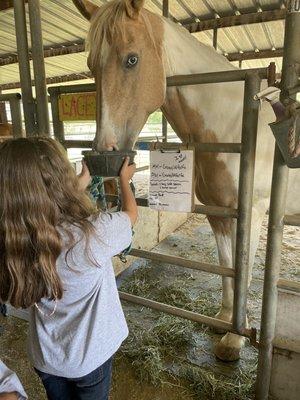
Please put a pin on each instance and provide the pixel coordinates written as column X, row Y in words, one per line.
column 111, row 147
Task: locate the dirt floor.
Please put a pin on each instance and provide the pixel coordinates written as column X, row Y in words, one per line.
column 166, row 358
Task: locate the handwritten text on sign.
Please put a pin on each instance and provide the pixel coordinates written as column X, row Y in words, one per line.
column 77, row 106
column 171, row 181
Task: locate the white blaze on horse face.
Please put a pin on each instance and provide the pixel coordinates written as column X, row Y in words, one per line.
column 106, row 132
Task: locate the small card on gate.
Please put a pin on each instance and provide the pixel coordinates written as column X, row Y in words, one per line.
column 171, row 186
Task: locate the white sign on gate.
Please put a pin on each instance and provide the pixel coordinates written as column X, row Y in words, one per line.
column 172, row 180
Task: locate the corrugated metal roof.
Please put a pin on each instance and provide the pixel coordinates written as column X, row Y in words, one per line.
column 61, row 23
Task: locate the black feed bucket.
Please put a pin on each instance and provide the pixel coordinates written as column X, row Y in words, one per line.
column 287, row 134
column 106, row 163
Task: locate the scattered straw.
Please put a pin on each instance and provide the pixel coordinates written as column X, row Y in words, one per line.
column 158, row 351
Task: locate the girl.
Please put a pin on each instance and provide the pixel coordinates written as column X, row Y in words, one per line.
column 55, row 257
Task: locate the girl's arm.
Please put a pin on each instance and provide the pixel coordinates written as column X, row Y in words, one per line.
column 129, row 205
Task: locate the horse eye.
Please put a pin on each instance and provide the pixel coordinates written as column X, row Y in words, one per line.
column 132, row 61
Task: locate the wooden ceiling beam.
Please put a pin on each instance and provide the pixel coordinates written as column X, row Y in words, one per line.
column 49, row 51
column 7, row 4
column 236, row 20
column 51, row 80
column 255, row 55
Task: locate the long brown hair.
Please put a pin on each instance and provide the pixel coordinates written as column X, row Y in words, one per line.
column 39, row 193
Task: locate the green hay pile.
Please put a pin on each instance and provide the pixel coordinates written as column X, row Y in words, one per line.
column 158, row 350
column 148, row 349
column 207, row 386
column 177, row 295
column 143, row 283
column 140, row 283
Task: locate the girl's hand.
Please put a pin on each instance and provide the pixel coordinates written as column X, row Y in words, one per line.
column 127, row 171
column 84, row 178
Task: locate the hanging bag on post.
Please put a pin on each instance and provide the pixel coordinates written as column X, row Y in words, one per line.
column 287, row 135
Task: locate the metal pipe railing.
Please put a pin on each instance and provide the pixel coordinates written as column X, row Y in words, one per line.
column 203, row 147
column 165, row 12
column 245, row 195
column 141, row 145
column 273, row 257
column 182, row 262
column 179, row 312
column 234, row 75
column 24, row 66
column 224, row 212
column 39, row 67
column 291, row 57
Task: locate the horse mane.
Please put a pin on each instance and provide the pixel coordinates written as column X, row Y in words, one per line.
column 109, row 21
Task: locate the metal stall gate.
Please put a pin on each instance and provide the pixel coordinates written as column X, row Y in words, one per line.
column 246, row 149
column 35, row 110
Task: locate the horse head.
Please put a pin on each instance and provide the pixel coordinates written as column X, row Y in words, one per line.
column 125, row 45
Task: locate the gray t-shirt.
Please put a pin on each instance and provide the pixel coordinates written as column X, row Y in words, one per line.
column 88, row 325
column 9, row 382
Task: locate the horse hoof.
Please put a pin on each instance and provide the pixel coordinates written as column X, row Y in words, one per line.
column 226, row 353
column 229, row 347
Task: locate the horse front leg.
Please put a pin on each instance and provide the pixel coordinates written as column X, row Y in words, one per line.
column 228, row 349
column 222, row 228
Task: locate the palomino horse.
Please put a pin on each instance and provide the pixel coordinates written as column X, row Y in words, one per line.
column 132, row 51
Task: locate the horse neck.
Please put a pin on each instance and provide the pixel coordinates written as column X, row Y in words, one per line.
column 186, row 107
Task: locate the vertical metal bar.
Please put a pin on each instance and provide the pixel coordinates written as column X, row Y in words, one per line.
column 247, row 163
column 291, row 57
column 291, row 52
column 166, row 8
column 164, row 120
column 272, row 268
column 272, row 74
column 39, row 66
column 240, row 64
column 3, row 115
column 58, row 126
column 16, row 116
column 24, row 66
column 215, row 38
column 164, row 129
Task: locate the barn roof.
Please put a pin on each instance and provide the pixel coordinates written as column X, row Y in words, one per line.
column 248, row 30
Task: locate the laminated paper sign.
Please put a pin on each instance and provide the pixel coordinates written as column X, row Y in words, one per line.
column 77, row 107
column 172, row 180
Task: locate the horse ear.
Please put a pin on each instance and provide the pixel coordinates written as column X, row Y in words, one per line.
column 133, row 7
column 86, row 8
